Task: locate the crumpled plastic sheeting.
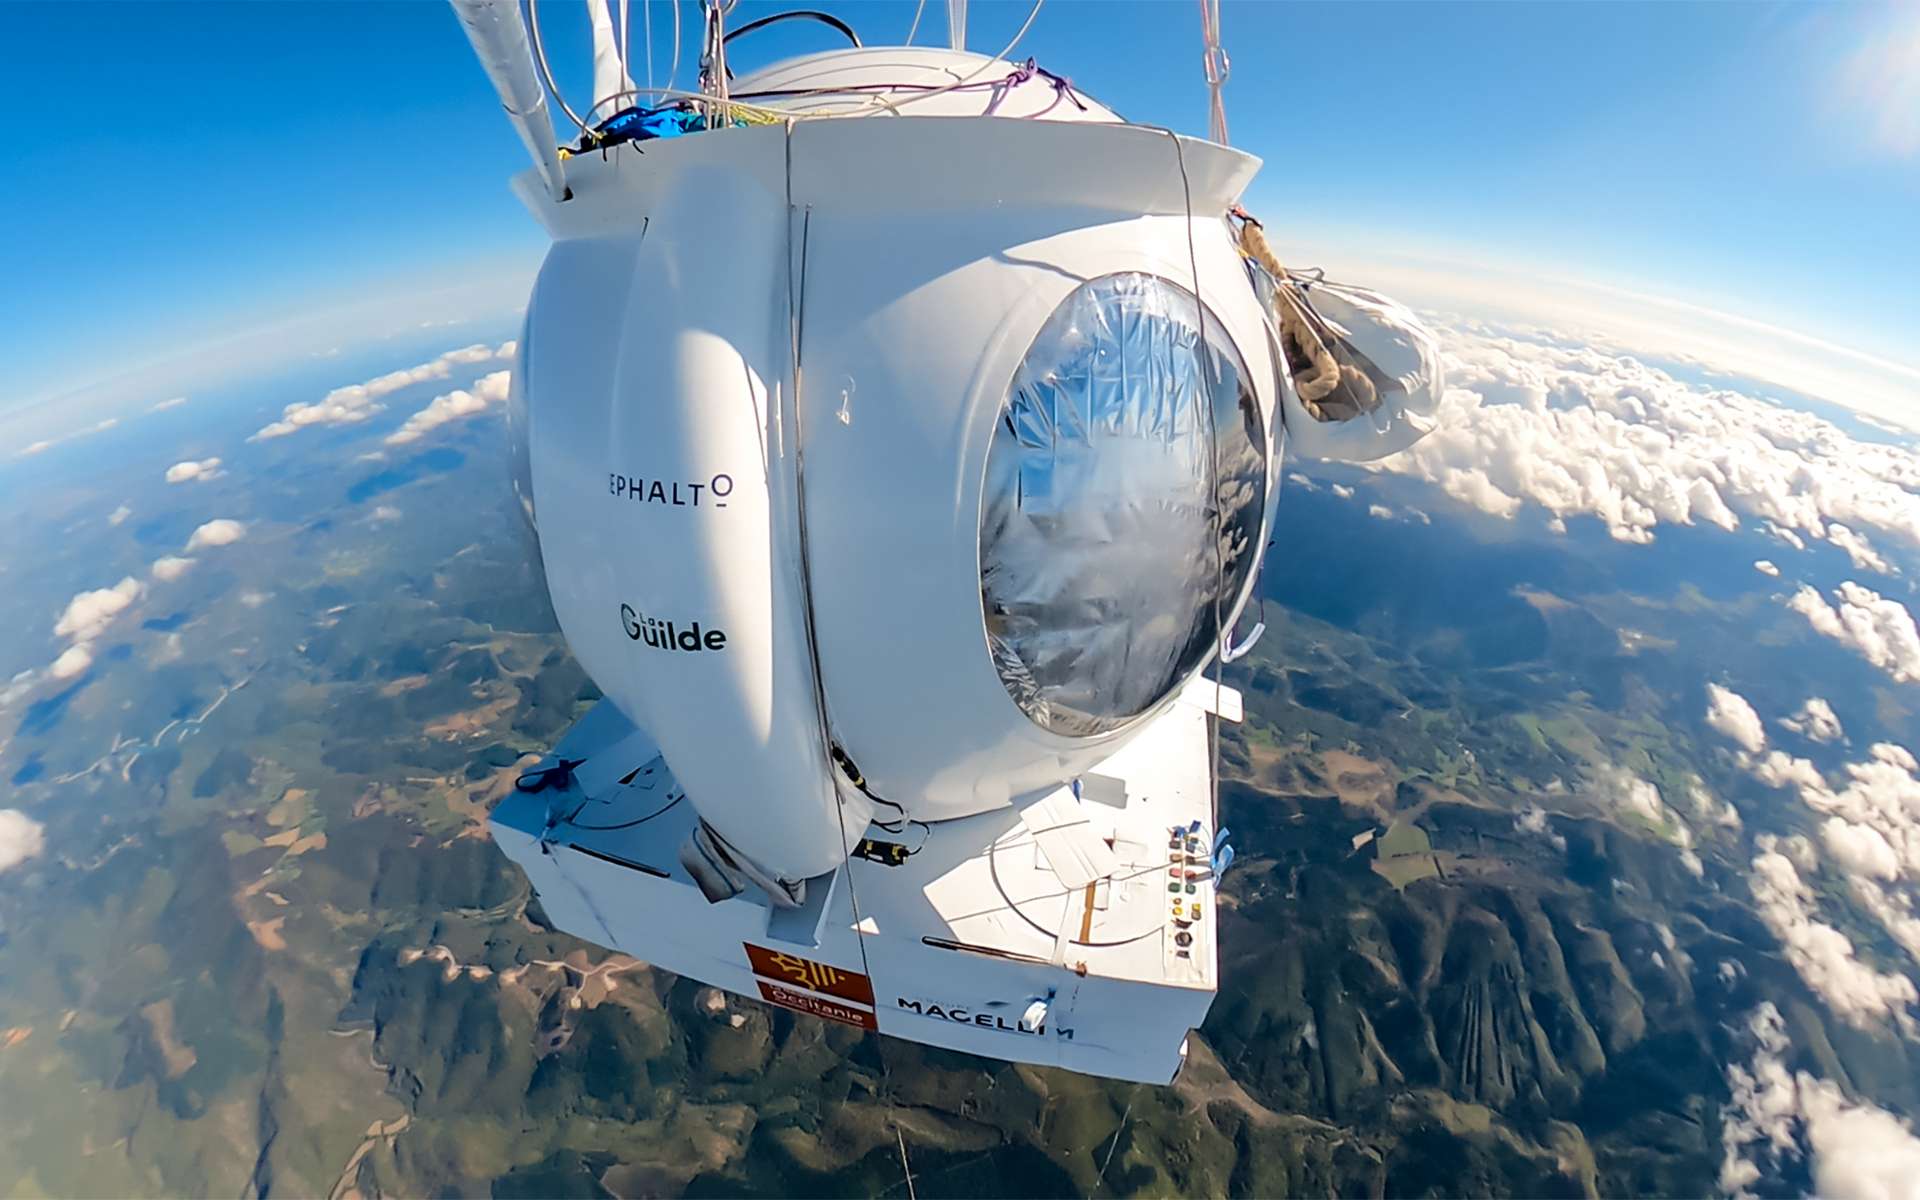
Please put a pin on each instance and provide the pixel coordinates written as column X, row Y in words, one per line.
column 1103, row 576
column 1390, row 375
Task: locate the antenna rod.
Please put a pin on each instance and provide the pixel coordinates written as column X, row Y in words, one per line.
column 499, row 40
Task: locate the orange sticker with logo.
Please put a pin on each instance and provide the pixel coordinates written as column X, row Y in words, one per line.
column 818, row 1006
column 804, row 972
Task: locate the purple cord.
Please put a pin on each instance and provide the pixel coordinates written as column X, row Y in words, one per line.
column 1024, row 73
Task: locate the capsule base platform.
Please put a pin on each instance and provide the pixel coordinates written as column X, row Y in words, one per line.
column 1076, row 929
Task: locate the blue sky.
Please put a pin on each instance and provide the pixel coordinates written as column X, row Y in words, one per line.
column 174, row 178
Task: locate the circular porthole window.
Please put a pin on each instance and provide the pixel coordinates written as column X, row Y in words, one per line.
column 1121, row 515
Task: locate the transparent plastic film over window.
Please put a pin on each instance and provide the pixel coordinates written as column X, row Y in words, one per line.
column 1105, row 531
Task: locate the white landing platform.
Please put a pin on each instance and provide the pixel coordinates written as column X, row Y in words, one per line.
column 1081, row 902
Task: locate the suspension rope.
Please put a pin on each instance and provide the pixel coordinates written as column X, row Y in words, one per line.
column 901, row 1141
column 1111, row 1147
column 646, row 19
column 915, row 27
column 796, row 334
column 546, row 69
column 1213, row 476
column 1217, row 66
column 626, row 40
column 713, row 57
column 673, row 72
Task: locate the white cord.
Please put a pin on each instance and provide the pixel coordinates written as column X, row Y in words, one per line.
column 626, row 41
column 915, row 27
column 873, row 106
column 646, row 18
column 674, row 72
column 894, row 106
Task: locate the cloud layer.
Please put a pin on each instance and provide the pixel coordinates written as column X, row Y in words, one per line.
column 90, row 614
column 356, row 402
column 1878, row 627
column 1853, row 1148
column 1869, row 835
column 452, row 406
column 1579, row 431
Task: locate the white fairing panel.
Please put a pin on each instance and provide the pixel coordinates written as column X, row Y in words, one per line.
column 650, row 396
column 912, row 342
column 667, row 441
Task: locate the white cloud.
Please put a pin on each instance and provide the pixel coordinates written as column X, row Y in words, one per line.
column 1877, row 626
column 203, row 470
column 222, row 532
column 1859, row 550
column 1639, row 797
column 74, row 660
column 491, row 389
column 169, row 568
column 1707, row 808
column 356, row 402
column 164, row 405
column 1343, row 491
column 1859, row 849
column 1853, row 1148
column 48, row 443
column 1729, row 712
column 88, row 614
column 1779, row 769
column 386, row 512
column 1809, row 603
column 20, row 838
column 1766, row 568
column 1871, row 837
column 1533, row 819
column 119, row 515
column 1786, row 535
column 1815, row 721
column 1381, row 511
column 1302, row 482
column 1822, row 954
column 1629, row 792
column 1576, row 430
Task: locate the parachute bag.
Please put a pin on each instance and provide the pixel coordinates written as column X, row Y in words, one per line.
column 1366, row 372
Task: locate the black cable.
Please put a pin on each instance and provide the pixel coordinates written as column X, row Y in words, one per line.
column 624, row 824
column 808, row 14
column 559, row 775
column 859, row 783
